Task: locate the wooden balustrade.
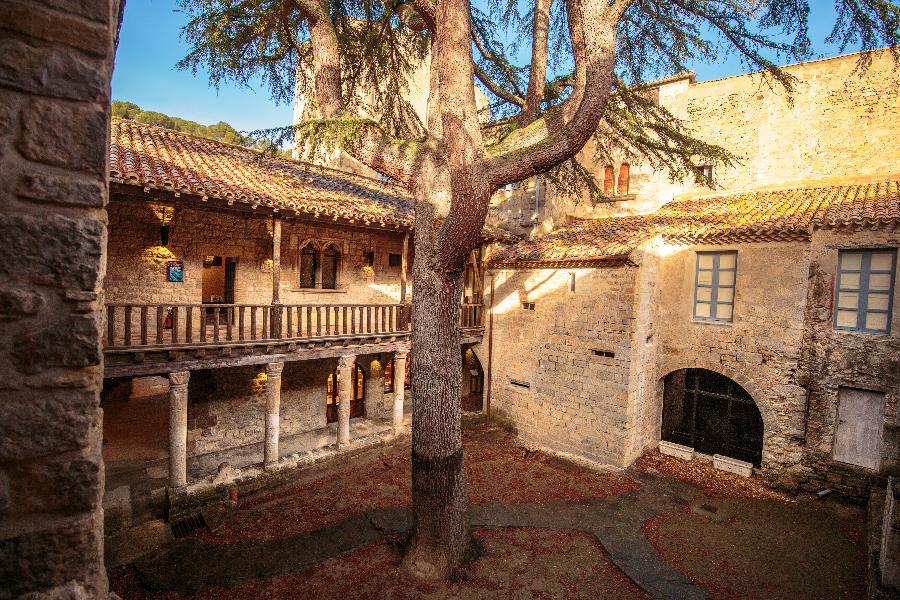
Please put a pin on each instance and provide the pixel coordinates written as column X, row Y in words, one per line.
column 135, row 325
column 212, row 324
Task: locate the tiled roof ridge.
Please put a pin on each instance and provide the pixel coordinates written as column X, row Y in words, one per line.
column 393, row 187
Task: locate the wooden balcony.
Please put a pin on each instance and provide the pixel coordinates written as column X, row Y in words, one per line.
column 143, row 339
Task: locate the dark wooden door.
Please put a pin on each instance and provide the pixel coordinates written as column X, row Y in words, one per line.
column 358, row 395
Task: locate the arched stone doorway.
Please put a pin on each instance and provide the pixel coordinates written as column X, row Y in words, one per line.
column 472, row 381
column 712, row 414
column 357, row 394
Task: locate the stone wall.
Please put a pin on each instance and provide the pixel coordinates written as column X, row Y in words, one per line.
column 841, row 359
column 56, row 62
column 759, row 349
column 137, row 263
column 645, row 407
column 577, row 401
column 840, row 124
column 839, row 127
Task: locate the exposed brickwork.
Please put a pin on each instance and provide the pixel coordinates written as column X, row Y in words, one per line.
column 56, row 63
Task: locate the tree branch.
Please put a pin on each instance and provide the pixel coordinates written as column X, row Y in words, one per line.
column 561, row 132
column 538, row 73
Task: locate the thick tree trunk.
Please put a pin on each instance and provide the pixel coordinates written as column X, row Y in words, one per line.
column 440, row 536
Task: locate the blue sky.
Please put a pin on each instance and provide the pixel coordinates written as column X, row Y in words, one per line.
column 150, row 46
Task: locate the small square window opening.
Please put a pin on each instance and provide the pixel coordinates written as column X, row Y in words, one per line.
column 394, row 260
column 528, row 305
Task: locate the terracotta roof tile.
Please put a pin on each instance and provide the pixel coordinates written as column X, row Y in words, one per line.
column 159, row 158
column 748, row 216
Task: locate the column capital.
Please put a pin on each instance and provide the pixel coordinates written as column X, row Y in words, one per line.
column 401, row 354
column 179, row 378
column 274, row 369
column 346, row 362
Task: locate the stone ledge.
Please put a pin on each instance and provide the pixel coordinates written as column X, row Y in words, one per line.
column 732, row 465
column 676, row 450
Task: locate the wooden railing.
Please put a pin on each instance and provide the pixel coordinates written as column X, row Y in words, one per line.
column 134, row 325
column 142, row 325
column 471, row 315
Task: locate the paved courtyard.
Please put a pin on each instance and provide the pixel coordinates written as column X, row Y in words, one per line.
column 549, row 528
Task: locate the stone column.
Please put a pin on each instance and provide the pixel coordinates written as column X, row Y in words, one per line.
column 273, row 412
column 345, row 394
column 399, row 392
column 178, row 404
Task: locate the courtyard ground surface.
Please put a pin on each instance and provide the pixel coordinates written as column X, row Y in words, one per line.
column 731, row 536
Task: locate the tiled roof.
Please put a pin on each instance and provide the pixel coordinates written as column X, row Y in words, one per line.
column 742, row 217
column 159, row 158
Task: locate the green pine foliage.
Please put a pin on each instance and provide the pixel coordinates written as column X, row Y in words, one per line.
column 242, row 40
column 221, row 131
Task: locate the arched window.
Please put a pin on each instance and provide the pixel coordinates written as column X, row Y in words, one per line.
column 307, row 267
column 609, row 180
column 357, row 394
column 622, row 184
column 329, row 268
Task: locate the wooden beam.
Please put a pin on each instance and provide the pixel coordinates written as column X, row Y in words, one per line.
column 403, row 258
column 161, row 367
column 276, row 259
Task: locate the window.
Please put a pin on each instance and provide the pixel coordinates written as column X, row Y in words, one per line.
column 307, row 267
column 609, row 184
column 705, row 175
column 865, row 288
column 714, row 287
column 622, row 183
column 319, row 264
column 329, row 268
column 528, row 306
column 394, row 260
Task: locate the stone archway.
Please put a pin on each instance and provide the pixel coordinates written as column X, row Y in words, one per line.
column 713, row 414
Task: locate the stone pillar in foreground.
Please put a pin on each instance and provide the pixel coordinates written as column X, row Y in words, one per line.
column 273, row 412
column 345, row 397
column 178, row 403
column 399, row 373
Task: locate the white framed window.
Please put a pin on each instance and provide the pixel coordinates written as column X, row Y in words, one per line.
column 865, row 290
column 714, row 286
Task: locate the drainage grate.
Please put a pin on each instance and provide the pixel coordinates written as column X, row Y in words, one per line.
column 185, row 527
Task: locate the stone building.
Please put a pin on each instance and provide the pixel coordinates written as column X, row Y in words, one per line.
column 755, row 321
column 257, row 313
